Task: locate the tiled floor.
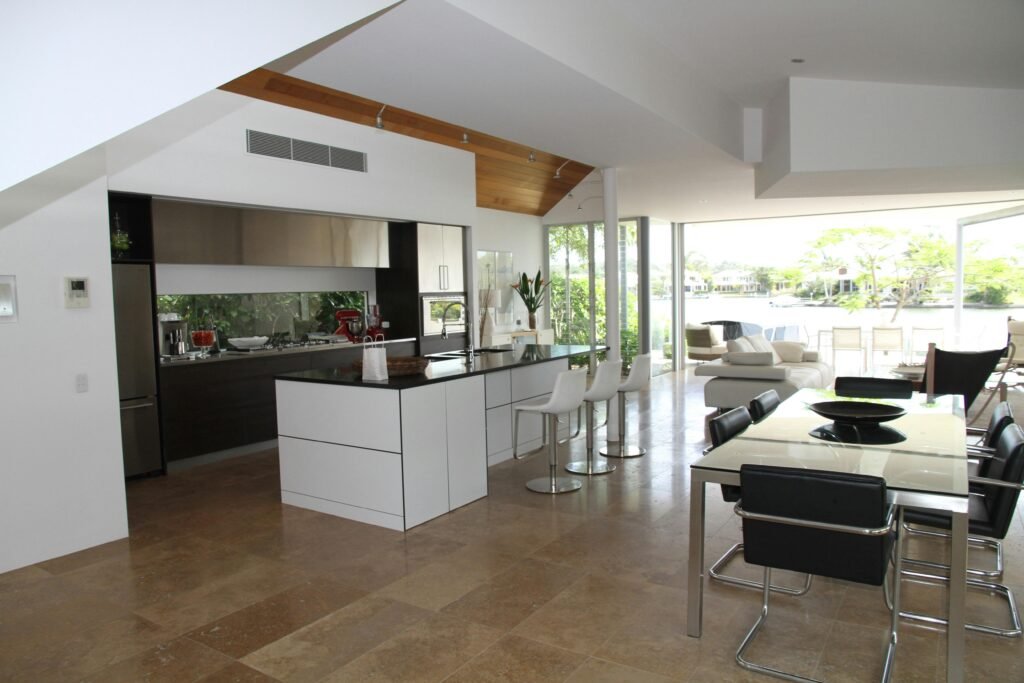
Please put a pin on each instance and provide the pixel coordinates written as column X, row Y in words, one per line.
column 220, row 582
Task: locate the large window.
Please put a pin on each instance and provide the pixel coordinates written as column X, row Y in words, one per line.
column 797, row 278
column 576, row 270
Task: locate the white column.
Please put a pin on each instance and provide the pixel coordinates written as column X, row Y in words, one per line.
column 611, row 285
column 958, row 285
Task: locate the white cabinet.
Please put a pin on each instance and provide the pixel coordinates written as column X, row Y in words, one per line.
column 439, row 256
column 507, row 388
column 394, row 458
column 467, row 441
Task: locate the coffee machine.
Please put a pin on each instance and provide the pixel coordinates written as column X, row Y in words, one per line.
column 173, row 335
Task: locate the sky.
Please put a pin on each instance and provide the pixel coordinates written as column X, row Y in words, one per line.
column 783, row 241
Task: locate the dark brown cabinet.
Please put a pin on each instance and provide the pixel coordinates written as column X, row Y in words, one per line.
column 215, row 405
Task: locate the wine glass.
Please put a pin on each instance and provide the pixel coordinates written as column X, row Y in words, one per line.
column 204, row 341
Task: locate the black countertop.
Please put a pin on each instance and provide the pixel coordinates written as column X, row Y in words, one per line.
column 441, row 370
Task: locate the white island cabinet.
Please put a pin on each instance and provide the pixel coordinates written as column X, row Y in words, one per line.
column 390, row 458
column 408, row 449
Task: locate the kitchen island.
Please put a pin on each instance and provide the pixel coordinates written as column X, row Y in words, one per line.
column 399, row 452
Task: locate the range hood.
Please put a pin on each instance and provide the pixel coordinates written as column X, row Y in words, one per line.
column 192, row 232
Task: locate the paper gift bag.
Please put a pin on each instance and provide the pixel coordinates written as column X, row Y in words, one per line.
column 375, row 359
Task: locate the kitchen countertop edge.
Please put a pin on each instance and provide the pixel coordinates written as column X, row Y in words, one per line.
column 449, row 369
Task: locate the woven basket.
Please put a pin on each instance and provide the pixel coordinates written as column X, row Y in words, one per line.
column 404, row 365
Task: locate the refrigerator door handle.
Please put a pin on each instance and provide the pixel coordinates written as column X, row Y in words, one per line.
column 137, row 406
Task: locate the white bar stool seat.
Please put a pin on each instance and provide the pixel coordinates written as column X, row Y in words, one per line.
column 639, row 378
column 566, row 397
column 606, row 383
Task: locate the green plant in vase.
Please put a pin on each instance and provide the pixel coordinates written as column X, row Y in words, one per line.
column 532, row 293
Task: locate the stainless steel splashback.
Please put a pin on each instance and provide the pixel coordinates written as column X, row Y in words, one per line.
column 190, row 232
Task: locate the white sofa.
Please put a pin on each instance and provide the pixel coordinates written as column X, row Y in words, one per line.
column 752, row 365
column 704, row 342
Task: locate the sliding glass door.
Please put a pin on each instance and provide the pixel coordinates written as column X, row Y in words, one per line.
column 576, row 270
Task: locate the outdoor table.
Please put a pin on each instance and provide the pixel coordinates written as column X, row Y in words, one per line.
column 927, row 471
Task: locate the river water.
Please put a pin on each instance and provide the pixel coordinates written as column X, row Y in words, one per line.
column 981, row 328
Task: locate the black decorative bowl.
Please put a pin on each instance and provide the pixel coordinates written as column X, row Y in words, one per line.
column 857, row 422
column 861, row 413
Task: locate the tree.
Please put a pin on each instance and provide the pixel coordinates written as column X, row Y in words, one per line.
column 824, row 259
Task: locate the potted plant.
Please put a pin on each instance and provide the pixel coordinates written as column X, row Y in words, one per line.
column 532, row 293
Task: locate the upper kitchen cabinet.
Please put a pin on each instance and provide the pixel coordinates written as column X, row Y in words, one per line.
column 131, row 227
column 440, row 258
column 191, row 232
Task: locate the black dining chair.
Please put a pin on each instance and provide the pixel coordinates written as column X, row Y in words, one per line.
column 832, row 524
column 873, row 387
column 990, row 515
column 764, row 404
column 959, row 372
column 722, row 428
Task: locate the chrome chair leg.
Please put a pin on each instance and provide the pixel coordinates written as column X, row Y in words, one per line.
column 977, row 542
column 715, row 573
column 892, row 638
column 1014, row 632
column 552, row 483
column 588, row 466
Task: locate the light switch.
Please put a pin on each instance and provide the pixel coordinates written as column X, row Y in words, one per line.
column 76, row 292
column 81, row 383
column 8, row 300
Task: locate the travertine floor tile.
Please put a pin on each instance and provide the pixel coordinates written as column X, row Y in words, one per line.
column 513, row 595
column 329, row 643
column 517, row 659
column 262, row 623
column 427, row 651
column 178, row 660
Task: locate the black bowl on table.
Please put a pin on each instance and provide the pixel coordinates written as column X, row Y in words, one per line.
column 858, row 422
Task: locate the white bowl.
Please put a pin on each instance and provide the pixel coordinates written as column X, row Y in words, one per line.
column 247, row 342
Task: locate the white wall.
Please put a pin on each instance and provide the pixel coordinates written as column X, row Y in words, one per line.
column 515, row 232
column 61, row 473
column 407, row 179
column 843, row 138
column 121, row 63
column 851, row 125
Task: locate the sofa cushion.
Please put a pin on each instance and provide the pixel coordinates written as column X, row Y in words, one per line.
column 790, row 351
column 763, row 372
column 749, row 358
column 759, row 343
column 739, row 345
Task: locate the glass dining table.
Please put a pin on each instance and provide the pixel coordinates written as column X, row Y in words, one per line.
column 927, row 469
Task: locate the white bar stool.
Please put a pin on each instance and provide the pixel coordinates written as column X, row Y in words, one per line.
column 606, row 383
column 566, row 397
column 639, row 378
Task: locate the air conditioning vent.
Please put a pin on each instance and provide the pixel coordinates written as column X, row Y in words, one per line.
column 269, row 145
column 318, row 153
column 348, row 159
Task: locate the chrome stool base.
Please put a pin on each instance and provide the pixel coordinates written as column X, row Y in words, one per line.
column 588, row 466
column 618, row 451
column 554, row 485
column 621, row 449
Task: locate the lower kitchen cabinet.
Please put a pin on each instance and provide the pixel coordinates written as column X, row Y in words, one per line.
column 356, row 452
column 507, row 388
column 208, row 406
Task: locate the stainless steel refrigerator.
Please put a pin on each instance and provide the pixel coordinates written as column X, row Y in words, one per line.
column 134, row 325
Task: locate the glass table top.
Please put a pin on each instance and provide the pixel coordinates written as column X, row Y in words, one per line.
column 933, row 458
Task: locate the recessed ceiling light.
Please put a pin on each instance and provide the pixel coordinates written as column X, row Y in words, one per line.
column 798, row 60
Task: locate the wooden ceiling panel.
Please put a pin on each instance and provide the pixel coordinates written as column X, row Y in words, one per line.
column 506, row 179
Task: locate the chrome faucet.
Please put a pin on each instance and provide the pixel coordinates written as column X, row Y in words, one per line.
column 469, row 332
